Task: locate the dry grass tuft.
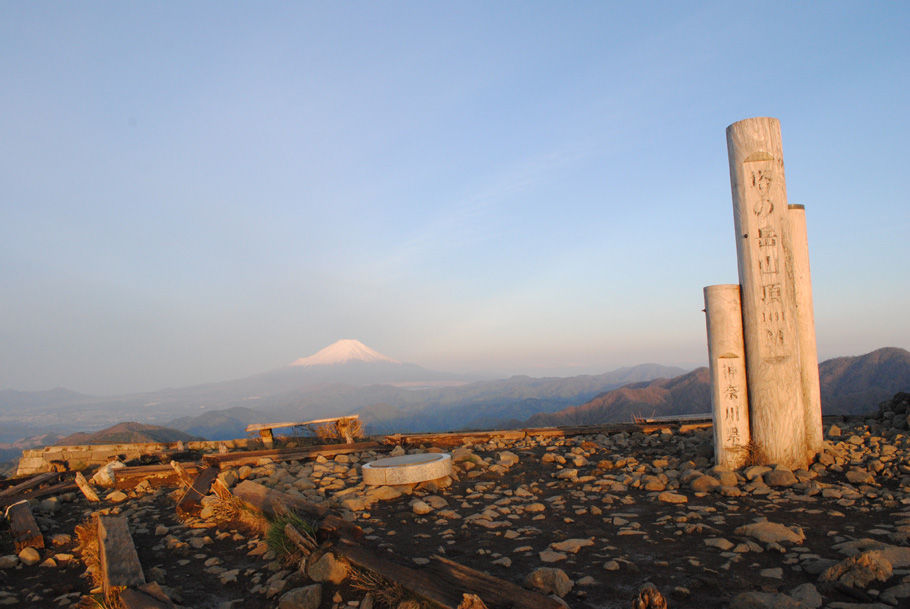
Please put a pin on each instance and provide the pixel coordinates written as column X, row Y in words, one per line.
column 386, row 593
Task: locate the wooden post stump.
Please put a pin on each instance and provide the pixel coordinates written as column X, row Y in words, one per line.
column 119, row 561
column 23, row 527
column 765, row 254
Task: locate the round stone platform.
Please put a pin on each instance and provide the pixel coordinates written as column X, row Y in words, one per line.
column 407, row 469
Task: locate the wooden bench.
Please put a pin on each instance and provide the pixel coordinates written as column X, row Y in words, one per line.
column 265, row 429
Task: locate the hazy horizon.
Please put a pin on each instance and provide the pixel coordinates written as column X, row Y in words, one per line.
column 198, row 192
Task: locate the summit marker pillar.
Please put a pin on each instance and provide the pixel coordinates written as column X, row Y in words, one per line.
column 766, row 273
column 808, row 350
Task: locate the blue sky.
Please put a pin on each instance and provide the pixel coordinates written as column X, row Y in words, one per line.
column 198, row 191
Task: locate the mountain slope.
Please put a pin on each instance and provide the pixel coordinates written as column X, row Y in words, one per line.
column 852, row 385
column 129, row 432
column 849, row 385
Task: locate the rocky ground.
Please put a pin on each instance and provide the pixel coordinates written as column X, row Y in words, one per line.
column 590, row 519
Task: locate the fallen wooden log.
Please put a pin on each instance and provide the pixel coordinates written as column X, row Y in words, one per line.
column 197, row 489
column 146, row 596
column 23, row 527
column 29, row 483
column 445, row 582
column 250, row 457
column 160, row 475
column 54, row 489
column 86, row 488
column 182, row 473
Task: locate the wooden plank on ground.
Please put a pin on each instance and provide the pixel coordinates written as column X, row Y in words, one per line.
column 160, row 475
column 54, row 489
column 445, row 582
column 198, row 489
column 182, row 473
column 250, row 457
column 120, row 566
column 422, row 583
column 494, row 592
column 30, row 483
column 23, row 527
column 146, row 596
column 86, row 488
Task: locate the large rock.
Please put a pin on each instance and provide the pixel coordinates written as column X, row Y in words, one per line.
column 327, row 569
column 549, row 580
column 859, row 570
column 771, row 532
column 780, row 477
column 308, row 597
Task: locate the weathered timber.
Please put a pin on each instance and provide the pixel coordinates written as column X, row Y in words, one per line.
column 29, row 483
column 146, row 596
column 223, row 492
column 161, row 475
column 445, row 582
column 23, row 527
column 197, row 489
column 422, row 583
column 182, row 473
column 459, row 438
column 286, row 454
column 303, row 543
column 262, row 499
column 54, row 489
column 495, row 592
column 86, row 488
column 119, row 560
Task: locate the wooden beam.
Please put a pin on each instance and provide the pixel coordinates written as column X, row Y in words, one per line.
column 495, row 592
column 182, row 473
column 445, row 582
column 162, row 475
column 30, row 483
column 23, row 527
column 146, row 596
column 250, row 457
column 54, row 489
column 86, row 488
column 119, row 561
column 260, row 426
column 198, row 489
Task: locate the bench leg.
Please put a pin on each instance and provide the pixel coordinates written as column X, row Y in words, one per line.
column 266, row 435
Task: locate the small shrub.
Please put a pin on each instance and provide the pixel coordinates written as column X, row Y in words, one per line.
column 278, row 541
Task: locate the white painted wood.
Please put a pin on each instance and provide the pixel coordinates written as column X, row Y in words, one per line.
column 727, row 358
column 765, row 256
column 805, row 318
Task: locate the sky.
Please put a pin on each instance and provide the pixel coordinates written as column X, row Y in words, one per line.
column 199, row 191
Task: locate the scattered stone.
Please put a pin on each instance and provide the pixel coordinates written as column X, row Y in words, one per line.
column 117, row 497
column 9, row 561
column 308, row 597
column 771, row 532
column 719, row 542
column 549, row 580
column 551, row 556
column 29, row 556
column 571, row 545
column 669, row 497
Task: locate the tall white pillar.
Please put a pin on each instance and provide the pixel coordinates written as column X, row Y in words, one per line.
column 727, row 360
column 805, row 317
column 765, row 256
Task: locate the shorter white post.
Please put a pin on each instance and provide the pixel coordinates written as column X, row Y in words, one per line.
column 727, row 358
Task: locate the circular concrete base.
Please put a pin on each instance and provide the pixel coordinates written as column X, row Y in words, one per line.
column 407, row 469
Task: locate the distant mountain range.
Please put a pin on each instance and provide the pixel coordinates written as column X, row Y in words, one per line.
column 390, row 396
column 127, row 433
column 849, row 385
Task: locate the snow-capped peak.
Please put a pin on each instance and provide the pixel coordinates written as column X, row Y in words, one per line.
column 343, row 351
